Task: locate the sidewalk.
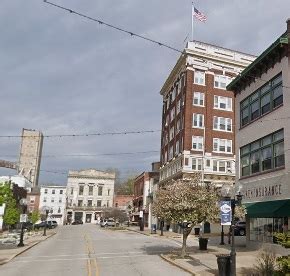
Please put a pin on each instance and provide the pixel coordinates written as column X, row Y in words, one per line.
column 205, row 262
column 8, row 251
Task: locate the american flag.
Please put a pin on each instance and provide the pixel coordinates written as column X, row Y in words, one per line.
column 200, row 16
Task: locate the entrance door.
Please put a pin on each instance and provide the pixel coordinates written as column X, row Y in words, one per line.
column 88, row 218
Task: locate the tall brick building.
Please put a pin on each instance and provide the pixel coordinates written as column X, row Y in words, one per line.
column 198, row 114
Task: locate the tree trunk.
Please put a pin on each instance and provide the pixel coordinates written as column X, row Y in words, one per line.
column 186, row 232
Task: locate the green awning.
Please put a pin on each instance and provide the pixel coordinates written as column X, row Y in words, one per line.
column 269, row 209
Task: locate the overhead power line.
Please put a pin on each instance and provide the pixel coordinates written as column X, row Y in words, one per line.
column 83, row 134
column 114, row 27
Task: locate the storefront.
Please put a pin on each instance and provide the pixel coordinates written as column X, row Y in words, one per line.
column 266, row 218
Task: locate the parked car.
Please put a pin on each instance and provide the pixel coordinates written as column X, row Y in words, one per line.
column 109, row 223
column 52, row 223
column 41, row 225
column 240, row 228
column 76, row 222
column 28, row 225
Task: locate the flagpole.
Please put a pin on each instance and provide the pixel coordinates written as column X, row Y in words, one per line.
column 191, row 21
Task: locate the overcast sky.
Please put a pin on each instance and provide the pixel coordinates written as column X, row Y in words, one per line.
column 63, row 74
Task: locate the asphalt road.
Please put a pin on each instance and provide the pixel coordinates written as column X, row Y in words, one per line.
column 87, row 250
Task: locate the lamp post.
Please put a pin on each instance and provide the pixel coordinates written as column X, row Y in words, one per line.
column 227, row 192
column 23, row 203
column 46, row 210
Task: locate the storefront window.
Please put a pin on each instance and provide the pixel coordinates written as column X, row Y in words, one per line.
column 262, row 229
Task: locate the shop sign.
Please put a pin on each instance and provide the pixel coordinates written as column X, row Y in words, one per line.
column 263, row 191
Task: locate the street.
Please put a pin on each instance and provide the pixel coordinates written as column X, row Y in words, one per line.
column 89, row 250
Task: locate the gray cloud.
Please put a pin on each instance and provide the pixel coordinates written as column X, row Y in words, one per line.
column 64, row 74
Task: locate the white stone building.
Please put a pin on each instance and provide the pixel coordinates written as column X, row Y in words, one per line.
column 89, row 193
column 53, row 198
column 262, row 140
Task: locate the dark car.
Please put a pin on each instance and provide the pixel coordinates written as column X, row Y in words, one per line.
column 52, row 223
column 42, row 225
column 28, row 225
column 240, row 228
column 76, row 222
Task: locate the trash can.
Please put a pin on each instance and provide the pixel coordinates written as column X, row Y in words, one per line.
column 196, row 231
column 203, row 243
column 224, row 264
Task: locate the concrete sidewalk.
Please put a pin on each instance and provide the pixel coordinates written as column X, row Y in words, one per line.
column 10, row 251
column 204, row 262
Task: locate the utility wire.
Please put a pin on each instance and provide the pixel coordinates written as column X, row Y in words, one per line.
column 114, row 27
column 83, row 155
column 82, row 135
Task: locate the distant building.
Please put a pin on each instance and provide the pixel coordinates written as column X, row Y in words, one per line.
column 53, row 198
column 198, row 115
column 122, row 202
column 263, row 140
column 143, row 194
column 30, row 155
column 89, row 193
column 33, row 198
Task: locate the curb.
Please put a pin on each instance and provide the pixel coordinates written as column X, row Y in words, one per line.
column 25, row 249
column 139, row 232
column 178, row 265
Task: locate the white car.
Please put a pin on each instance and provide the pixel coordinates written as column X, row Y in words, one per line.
column 109, row 222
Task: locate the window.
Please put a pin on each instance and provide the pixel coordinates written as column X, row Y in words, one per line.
column 172, row 114
column 53, row 192
column 199, row 77
column 99, row 203
column 109, row 190
column 81, row 190
column 178, row 107
column 52, row 200
column 221, row 81
column 71, row 191
column 196, row 164
column 59, row 210
column 80, row 203
column 264, row 154
column 60, row 192
column 171, row 133
column 90, row 203
column 178, row 126
column 223, row 103
column 45, row 191
column 60, row 200
column 198, row 98
column 222, row 124
column 173, row 95
column 198, row 120
column 220, row 166
column 197, row 142
column 91, row 190
column 44, row 199
column 170, row 153
column 222, row 145
column 262, row 101
column 177, row 147
column 100, row 190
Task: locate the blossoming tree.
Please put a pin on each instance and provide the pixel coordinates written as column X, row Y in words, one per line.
column 186, row 201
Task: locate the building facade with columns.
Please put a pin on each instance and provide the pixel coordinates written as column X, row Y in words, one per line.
column 263, row 140
column 89, row 193
column 198, row 114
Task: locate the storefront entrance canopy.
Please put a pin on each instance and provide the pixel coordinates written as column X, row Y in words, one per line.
column 269, row 209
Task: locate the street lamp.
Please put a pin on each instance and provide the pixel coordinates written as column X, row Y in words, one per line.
column 227, row 192
column 23, row 203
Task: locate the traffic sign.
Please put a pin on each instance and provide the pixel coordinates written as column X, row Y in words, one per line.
column 23, row 218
